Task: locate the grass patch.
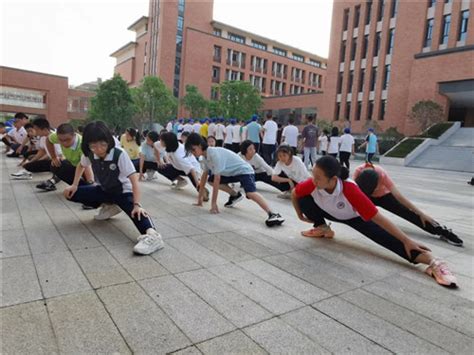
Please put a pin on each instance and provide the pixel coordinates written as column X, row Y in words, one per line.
column 405, row 148
column 437, row 130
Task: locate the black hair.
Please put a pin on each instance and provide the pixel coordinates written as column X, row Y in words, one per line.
column 2, row 124
column 325, row 131
column 80, row 129
column 334, row 132
column 163, row 131
column 135, row 134
column 65, row 128
column 269, row 115
column 212, row 137
column 170, row 141
column 94, row 132
column 27, row 126
column 291, row 120
column 20, row 115
column 193, row 140
column 145, row 132
column 154, row 136
column 41, row 123
column 332, row 167
column 367, row 181
column 245, row 146
column 310, row 118
column 185, row 133
column 284, row 148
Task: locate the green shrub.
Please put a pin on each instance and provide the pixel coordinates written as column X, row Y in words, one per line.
column 405, row 148
column 437, row 130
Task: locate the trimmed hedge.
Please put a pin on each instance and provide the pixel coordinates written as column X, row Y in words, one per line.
column 437, row 130
column 405, row 148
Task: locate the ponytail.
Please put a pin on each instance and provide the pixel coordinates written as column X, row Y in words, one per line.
column 135, row 134
column 332, row 167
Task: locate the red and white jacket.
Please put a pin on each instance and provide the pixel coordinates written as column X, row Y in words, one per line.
column 346, row 202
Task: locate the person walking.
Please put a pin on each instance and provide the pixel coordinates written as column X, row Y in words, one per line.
column 269, row 132
column 310, row 141
column 346, row 148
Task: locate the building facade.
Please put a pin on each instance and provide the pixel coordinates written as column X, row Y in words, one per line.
column 387, row 55
column 181, row 43
column 41, row 94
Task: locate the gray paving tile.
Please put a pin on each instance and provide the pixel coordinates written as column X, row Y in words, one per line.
column 82, row 325
column 277, row 337
column 249, row 246
column 236, row 307
column 59, row 274
column 139, row 266
column 193, row 316
column 415, row 323
column 196, row 252
column 268, row 296
column 269, row 240
column 292, row 285
column 27, row 330
column 330, row 334
column 375, row 328
column 142, row 323
column 44, row 238
column 13, row 243
column 10, row 221
column 100, row 267
column 19, row 281
column 212, row 224
column 192, row 350
column 218, row 246
column 232, row 343
column 174, row 261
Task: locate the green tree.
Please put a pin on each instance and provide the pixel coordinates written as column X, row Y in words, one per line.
column 215, row 109
column 239, row 99
column 113, row 104
column 194, row 102
column 426, row 113
column 153, row 101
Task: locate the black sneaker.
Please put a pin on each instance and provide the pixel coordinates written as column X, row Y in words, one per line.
column 46, row 186
column 274, row 219
column 448, row 236
column 233, row 200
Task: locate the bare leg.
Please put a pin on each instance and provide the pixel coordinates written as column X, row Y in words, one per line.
column 228, row 189
column 257, row 198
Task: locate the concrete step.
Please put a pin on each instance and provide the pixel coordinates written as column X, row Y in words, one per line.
column 464, row 137
column 446, row 158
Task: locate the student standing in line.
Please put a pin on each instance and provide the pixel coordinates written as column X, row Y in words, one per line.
column 197, row 126
column 379, row 187
column 290, row 135
column 188, row 126
column 328, row 195
column 292, row 167
column 169, row 126
column 116, row 185
column 310, row 141
column 236, row 136
column 130, row 142
column 211, row 130
column 371, row 145
column 243, row 130
column 269, row 133
column 220, row 133
column 346, row 148
column 253, row 132
column 334, row 142
column 323, row 142
column 204, row 130
column 227, row 167
column 229, row 129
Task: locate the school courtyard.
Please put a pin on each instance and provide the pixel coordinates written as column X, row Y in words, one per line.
column 225, row 283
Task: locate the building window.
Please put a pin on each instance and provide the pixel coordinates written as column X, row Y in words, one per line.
column 373, row 79
column 381, row 10
column 445, row 29
column 353, row 48
column 350, row 81
column 179, row 48
column 377, row 44
column 463, row 25
column 214, row 93
column 368, row 13
column 370, row 111
column 386, row 79
column 298, row 57
column 181, row 6
column 345, row 20
column 358, row 110
column 383, row 108
column 259, row 45
column 217, row 32
column 146, row 44
column 236, row 38
column 343, row 52
column 338, row 111
column 356, row 16
column 317, row 63
column 216, row 74
column 429, row 32
column 217, row 53
column 394, row 10
column 365, row 48
column 180, row 22
column 144, row 68
column 361, row 80
column 348, row 111
column 431, row 3
column 279, row 51
column 339, row 82
column 391, row 38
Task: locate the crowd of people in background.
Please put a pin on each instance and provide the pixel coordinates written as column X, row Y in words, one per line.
column 309, row 166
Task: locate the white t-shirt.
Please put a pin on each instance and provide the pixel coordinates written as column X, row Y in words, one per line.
column 290, row 133
column 197, row 128
column 236, row 134
column 124, row 164
column 19, row 134
column 57, row 147
column 169, row 126
column 188, row 128
column 323, row 143
column 244, row 133
column 211, row 130
column 296, row 171
column 333, row 147
column 258, row 164
column 220, row 129
column 183, row 162
column 270, row 134
column 157, row 145
column 347, row 141
column 180, row 130
column 228, row 134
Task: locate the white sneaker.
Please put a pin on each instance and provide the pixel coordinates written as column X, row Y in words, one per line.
column 149, row 243
column 20, row 173
column 180, row 184
column 107, row 211
column 285, row 195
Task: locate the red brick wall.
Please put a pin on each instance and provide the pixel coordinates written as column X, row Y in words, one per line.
column 126, row 70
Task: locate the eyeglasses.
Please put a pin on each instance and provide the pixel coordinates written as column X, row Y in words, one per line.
column 98, row 145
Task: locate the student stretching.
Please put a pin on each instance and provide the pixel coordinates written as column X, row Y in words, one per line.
column 227, row 167
column 149, row 160
column 289, row 169
column 377, row 185
column 328, row 195
column 130, row 142
column 117, row 185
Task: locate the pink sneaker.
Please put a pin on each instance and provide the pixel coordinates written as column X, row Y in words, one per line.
column 441, row 273
column 323, row 231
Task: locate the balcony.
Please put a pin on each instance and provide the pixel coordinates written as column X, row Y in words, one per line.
column 314, row 84
column 279, row 74
column 215, row 80
column 217, row 59
column 276, row 92
column 257, row 69
column 235, row 63
column 297, row 79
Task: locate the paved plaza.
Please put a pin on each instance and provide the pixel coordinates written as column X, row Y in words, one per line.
column 225, row 283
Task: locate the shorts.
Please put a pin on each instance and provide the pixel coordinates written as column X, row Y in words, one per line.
column 247, row 182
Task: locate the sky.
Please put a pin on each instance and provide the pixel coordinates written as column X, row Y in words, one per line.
column 75, row 38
